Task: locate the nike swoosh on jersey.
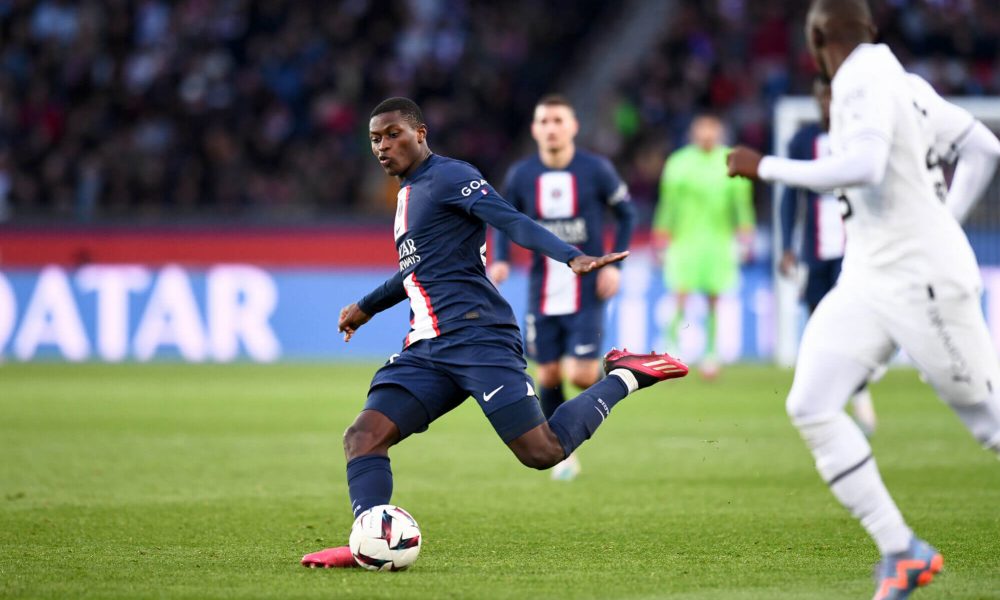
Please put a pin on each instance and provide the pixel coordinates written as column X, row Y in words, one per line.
column 488, row 397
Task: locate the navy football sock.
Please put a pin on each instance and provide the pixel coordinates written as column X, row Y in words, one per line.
column 577, row 419
column 369, row 482
column 551, row 398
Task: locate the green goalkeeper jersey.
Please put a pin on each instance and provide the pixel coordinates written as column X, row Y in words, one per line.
column 700, row 209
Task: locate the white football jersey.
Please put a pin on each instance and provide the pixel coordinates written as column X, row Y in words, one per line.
column 900, row 235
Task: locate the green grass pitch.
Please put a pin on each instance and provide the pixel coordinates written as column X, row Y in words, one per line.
column 172, row 481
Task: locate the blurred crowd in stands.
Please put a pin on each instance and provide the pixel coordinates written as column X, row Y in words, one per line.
column 256, row 110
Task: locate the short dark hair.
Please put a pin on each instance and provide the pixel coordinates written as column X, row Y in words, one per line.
column 843, row 21
column 555, row 100
column 406, row 107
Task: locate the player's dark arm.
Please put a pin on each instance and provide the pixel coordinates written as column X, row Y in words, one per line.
column 524, row 232
column 787, row 210
column 381, row 298
column 501, row 246
column 789, row 196
column 500, row 269
column 625, row 219
column 786, row 213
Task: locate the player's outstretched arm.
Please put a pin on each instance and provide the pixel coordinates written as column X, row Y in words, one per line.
column 522, row 230
column 862, row 163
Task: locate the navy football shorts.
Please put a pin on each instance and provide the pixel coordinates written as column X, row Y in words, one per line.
column 551, row 337
column 438, row 374
column 821, row 279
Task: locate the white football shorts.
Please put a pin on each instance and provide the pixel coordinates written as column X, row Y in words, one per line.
column 943, row 332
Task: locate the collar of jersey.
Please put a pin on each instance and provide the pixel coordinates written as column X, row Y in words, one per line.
column 423, row 167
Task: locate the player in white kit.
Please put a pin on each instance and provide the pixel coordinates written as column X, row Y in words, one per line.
column 909, row 276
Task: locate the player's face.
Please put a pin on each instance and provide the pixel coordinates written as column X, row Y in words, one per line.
column 706, row 133
column 395, row 142
column 816, row 43
column 554, row 127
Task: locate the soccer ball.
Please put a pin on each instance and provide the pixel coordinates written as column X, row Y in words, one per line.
column 385, row 538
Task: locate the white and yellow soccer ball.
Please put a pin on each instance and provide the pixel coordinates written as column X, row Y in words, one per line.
column 385, row 538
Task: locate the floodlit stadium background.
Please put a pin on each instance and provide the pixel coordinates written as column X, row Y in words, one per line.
column 191, row 180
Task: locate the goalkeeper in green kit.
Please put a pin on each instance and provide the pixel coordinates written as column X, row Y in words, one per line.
column 701, row 215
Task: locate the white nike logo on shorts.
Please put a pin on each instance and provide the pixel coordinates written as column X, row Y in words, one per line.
column 584, row 348
column 487, row 397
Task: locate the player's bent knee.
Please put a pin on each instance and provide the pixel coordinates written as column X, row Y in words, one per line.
column 539, row 448
column 371, row 433
column 540, row 458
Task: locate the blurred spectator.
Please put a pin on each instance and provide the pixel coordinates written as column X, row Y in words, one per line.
column 256, row 109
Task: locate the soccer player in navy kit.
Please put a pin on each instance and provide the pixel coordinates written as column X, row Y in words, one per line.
column 566, row 190
column 822, row 236
column 463, row 338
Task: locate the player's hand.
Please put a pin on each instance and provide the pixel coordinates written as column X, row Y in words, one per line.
column 351, row 317
column 498, row 272
column 607, row 283
column 743, row 162
column 585, row 264
column 787, row 264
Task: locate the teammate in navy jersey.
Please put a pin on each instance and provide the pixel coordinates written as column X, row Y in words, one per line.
column 822, row 237
column 567, row 191
column 463, row 338
column 823, row 230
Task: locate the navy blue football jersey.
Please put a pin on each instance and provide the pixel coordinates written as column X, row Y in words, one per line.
column 570, row 203
column 440, row 232
column 823, row 229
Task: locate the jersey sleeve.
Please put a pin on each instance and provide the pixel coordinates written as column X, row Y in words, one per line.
column 384, row 296
column 615, row 194
column 951, row 124
column 460, row 185
column 613, row 189
column 522, row 230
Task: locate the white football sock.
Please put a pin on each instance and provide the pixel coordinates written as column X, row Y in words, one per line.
column 844, row 460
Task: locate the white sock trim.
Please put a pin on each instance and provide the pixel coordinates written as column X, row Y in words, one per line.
column 627, row 377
